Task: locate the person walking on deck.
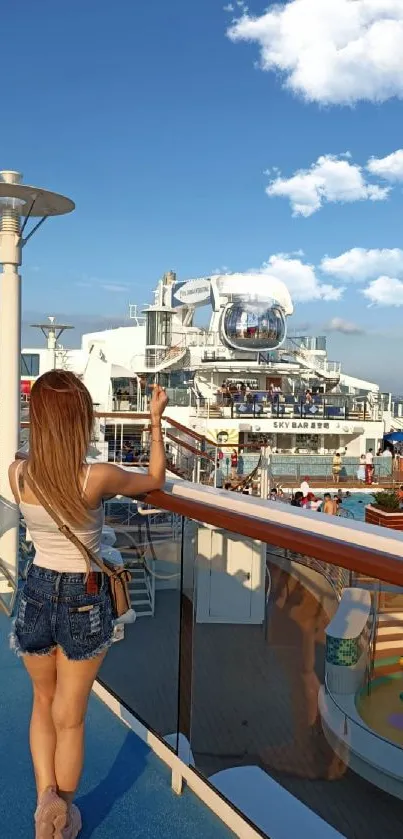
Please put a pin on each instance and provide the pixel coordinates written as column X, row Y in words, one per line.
column 64, row 623
column 336, row 467
column 361, row 469
column 369, row 467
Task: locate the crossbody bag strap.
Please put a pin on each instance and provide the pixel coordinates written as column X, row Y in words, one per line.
column 86, row 553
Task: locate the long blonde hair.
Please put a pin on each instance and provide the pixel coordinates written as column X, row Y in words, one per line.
column 61, row 421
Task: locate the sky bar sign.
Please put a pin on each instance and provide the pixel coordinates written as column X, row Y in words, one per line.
column 191, row 293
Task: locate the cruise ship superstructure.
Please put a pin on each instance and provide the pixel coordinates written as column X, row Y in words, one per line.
column 243, row 379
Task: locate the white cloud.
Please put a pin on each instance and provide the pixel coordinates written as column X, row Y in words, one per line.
column 85, row 281
column 331, row 179
column 385, row 291
column 223, row 269
column 390, row 168
column 300, row 279
column 359, row 264
column 331, row 51
column 343, row 326
column 114, row 287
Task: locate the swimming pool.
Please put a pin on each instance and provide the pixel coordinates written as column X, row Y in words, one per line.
column 356, row 504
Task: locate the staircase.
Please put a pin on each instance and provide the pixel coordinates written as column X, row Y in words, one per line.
column 215, row 412
column 141, row 588
column 396, row 424
column 180, row 472
column 320, row 366
column 389, row 644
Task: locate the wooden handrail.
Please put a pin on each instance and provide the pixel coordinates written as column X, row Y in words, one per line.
column 133, row 415
column 191, row 433
column 385, row 567
column 189, row 448
column 381, row 566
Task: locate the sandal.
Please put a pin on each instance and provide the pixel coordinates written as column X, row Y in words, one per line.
column 50, row 815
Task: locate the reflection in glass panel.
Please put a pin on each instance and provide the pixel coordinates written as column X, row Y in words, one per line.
column 7, row 591
column 143, row 669
column 253, row 326
column 286, row 675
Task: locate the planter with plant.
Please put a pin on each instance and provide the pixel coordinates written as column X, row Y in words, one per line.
column 385, row 510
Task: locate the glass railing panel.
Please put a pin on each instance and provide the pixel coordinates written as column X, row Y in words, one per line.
column 143, row 669
column 10, row 533
column 297, row 680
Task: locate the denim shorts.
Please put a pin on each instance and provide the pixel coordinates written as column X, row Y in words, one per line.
column 54, row 610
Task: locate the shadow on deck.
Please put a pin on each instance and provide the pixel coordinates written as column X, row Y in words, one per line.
column 254, row 701
column 125, row 790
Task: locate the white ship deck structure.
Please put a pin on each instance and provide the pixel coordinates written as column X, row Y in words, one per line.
column 242, row 381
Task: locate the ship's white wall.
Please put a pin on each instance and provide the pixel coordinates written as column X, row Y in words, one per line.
column 123, row 346
column 360, row 384
column 354, row 440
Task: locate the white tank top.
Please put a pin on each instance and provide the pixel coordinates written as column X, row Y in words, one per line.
column 52, row 549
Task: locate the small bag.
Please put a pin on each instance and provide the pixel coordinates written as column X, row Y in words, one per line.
column 119, row 577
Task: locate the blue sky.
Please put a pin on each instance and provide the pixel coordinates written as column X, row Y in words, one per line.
column 162, row 128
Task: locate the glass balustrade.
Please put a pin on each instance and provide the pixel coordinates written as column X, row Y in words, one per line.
column 273, row 666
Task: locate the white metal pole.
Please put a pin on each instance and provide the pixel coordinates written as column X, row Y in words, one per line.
column 10, row 361
column 52, row 346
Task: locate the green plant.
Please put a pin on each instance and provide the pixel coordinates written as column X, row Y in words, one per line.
column 387, row 501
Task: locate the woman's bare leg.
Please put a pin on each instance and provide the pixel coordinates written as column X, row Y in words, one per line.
column 42, row 670
column 73, row 686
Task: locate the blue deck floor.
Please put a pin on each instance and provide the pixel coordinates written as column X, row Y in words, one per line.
column 125, row 790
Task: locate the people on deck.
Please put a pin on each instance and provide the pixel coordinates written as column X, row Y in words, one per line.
column 369, row 467
column 219, row 478
column 336, row 467
column 297, row 499
column 361, row 469
column 305, row 487
column 234, row 463
column 312, row 502
column 329, row 505
column 337, row 502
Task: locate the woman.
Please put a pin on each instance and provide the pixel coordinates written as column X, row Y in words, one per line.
column 336, row 467
column 361, row 469
column 64, row 621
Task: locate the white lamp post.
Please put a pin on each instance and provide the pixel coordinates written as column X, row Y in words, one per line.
column 52, row 332
column 18, row 204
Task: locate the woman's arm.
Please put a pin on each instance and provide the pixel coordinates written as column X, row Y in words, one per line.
column 112, row 480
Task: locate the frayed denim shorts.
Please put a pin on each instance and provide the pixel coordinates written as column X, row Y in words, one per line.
column 54, row 610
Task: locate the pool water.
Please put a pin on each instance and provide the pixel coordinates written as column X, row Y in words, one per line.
column 356, row 504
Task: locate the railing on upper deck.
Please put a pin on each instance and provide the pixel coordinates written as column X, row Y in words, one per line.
column 262, row 405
